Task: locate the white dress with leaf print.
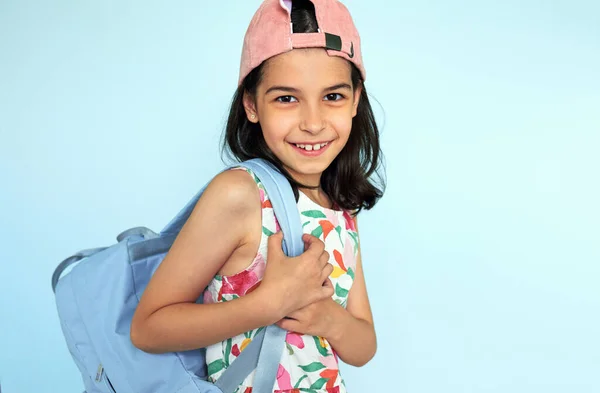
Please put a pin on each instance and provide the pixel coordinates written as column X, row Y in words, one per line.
column 308, row 363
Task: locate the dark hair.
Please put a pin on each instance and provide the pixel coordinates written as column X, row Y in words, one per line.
column 348, row 179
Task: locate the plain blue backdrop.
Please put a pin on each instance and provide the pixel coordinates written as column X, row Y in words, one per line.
column 483, row 258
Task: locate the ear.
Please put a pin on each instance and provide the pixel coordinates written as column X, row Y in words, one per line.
column 357, row 93
column 250, row 108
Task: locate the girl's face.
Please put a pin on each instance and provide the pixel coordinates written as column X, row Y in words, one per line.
column 305, row 104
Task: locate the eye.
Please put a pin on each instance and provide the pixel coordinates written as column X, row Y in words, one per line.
column 334, row 97
column 286, row 99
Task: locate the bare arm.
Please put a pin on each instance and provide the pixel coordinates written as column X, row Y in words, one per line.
column 168, row 319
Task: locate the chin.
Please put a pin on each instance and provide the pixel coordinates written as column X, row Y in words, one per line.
column 310, row 169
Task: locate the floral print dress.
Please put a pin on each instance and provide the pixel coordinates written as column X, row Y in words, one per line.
column 308, row 363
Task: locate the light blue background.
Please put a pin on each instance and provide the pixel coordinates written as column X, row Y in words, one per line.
column 483, row 258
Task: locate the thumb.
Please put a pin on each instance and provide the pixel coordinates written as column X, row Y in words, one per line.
column 275, row 243
column 327, row 289
column 313, row 244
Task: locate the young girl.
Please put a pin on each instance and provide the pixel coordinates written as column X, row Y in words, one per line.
column 301, row 104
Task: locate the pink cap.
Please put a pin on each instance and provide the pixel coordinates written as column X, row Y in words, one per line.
column 270, row 34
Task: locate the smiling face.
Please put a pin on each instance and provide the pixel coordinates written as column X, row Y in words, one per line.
column 305, row 103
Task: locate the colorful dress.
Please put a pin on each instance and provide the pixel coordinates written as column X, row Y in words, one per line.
column 308, row 363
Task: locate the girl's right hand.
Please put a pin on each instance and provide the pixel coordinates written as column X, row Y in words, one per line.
column 293, row 283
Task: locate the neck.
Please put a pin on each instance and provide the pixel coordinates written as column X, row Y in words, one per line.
column 313, row 181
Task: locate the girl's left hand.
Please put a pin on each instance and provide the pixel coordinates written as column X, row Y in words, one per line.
column 316, row 319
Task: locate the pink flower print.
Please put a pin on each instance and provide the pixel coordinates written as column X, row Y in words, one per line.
column 239, row 283
column 283, row 379
column 294, row 339
column 335, row 355
column 259, row 265
column 332, row 217
column 350, row 224
column 330, row 362
column 207, row 297
column 277, row 227
column 349, row 255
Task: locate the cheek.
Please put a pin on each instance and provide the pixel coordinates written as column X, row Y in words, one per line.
column 343, row 126
column 276, row 124
column 274, row 130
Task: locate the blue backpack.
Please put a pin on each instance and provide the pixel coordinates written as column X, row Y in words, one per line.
column 97, row 297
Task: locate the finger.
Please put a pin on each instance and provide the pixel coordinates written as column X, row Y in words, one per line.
column 326, row 272
column 327, row 291
column 290, row 325
column 275, row 243
column 294, row 315
column 324, row 258
column 313, row 245
column 306, row 240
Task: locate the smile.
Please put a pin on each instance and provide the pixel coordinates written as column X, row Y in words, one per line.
column 313, row 149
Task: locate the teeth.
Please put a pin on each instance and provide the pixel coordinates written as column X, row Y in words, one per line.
column 317, row 146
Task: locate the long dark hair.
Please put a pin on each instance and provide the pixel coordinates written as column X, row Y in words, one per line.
column 348, row 181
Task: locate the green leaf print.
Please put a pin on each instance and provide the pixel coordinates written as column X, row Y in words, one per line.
column 322, row 351
column 216, row 366
column 305, row 224
column 227, row 351
column 351, row 273
column 338, row 229
column 289, row 348
column 318, row 383
column 267, row 232
column 317, row 232
column 339, row 291
column 315, row 366
column 297, row 385
column 314, row 214
column 354, row 237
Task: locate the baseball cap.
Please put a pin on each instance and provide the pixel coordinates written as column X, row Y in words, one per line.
column 270, row 33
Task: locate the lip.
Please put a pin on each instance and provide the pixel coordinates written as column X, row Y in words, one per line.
column 312, row 153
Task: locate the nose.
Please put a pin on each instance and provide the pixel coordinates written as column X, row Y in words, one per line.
column 313, row 120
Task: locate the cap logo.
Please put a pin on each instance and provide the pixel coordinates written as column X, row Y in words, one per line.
column 351, row 55
column 333, row 42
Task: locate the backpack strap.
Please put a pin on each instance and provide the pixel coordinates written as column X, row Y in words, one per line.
column 264, row 352
column 284, row 205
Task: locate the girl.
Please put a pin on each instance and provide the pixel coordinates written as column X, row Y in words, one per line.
column 301, row 104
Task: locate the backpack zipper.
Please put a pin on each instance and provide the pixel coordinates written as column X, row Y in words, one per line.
column 101, row 376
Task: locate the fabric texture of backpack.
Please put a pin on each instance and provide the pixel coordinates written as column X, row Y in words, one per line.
column 98, row 290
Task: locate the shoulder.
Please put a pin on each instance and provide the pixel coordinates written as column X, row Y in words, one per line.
column 232, row 191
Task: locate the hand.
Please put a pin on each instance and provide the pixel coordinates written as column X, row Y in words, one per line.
column 296, row 282
column 316, row 319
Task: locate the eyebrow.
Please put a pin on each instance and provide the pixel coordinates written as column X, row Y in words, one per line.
column 288, row 89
